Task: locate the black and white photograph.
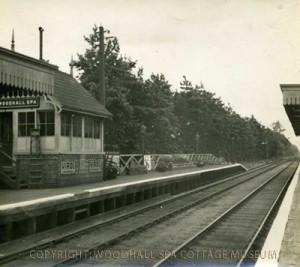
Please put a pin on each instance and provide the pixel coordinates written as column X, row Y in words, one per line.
column 149, row 133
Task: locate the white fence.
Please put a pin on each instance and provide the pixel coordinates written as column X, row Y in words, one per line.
column 126, row 161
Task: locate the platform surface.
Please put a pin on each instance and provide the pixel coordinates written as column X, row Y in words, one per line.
column 282, row 246
column 290, row 246
column 17, row 196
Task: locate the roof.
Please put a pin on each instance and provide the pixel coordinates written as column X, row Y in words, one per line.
column 25, row 72
column 291, row 103
column 72, row 96
column 27, row 59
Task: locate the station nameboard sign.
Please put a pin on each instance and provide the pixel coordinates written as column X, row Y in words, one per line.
column 28, row 102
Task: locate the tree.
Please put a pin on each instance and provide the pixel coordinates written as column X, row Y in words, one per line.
column 121, row 131
column 148, row 117
column 200, row 114
column 277, row 127
column 152, row 102
column 185, row 84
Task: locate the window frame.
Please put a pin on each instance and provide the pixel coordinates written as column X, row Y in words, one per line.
column 97, row 126
column 65, row 125
column 26, row 124
column 88, row 128
column 46, row 123
column 76, row 126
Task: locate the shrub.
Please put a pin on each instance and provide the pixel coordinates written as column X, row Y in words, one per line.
column 170, row 166
column 164, row 166
column 200, row 163
column 166, row 159
column 161, row 166
column 180, row 159
column 111, row 172
column 137, row 169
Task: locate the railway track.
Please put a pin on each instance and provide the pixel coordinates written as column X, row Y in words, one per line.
column 168, row 240
column 233, row 239
column 82, row 247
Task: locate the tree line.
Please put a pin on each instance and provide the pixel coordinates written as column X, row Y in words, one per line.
column 148, row 117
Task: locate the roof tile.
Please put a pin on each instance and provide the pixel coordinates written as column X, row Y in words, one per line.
column 71, row 95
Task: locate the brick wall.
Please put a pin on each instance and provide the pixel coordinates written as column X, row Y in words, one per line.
column 50, row 171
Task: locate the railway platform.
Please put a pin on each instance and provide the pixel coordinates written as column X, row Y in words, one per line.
column 290, row 246
column 30, row 211
column 283, row 240
column 33, row 219
column 14, row 197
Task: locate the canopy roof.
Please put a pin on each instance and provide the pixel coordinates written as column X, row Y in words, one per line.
column 23, row 72
column 291, row 103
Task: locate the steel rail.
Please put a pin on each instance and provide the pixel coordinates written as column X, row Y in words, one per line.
column 218, row 219
column 155, row 221
column 267, row 216
column 253, row 173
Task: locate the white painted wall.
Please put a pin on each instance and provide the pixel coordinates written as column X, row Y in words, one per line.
column 57, row 143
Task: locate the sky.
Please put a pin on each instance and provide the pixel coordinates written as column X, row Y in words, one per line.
column 240, row 50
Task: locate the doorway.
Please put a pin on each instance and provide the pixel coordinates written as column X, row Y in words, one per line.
column 6, row 135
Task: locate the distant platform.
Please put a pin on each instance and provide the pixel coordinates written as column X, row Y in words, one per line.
column 29, row 211
column 8, row 196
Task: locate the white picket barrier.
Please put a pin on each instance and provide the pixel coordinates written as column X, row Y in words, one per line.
column 126, row 161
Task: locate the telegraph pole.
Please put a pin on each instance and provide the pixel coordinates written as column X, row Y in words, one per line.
column 233, row 150
column 197, row 137
column 101, row 97
column 143, row 132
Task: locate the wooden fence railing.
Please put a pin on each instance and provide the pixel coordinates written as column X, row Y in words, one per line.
column 126, row 161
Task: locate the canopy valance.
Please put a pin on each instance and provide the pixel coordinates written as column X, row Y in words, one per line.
column 23, row 73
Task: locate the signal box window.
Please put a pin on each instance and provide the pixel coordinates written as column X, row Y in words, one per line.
column 88, row 128
column 77, row 126
column 46, row 122
column 25, row 123
column 96, row 129
column 65, row 124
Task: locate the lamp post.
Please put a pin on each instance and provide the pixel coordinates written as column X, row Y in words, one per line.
column 232, row 143
column 267, row 149
column 186, row 135
column 197, row 137
column 143, row 132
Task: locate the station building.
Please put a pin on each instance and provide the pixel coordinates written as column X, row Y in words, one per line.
column 51, row 128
